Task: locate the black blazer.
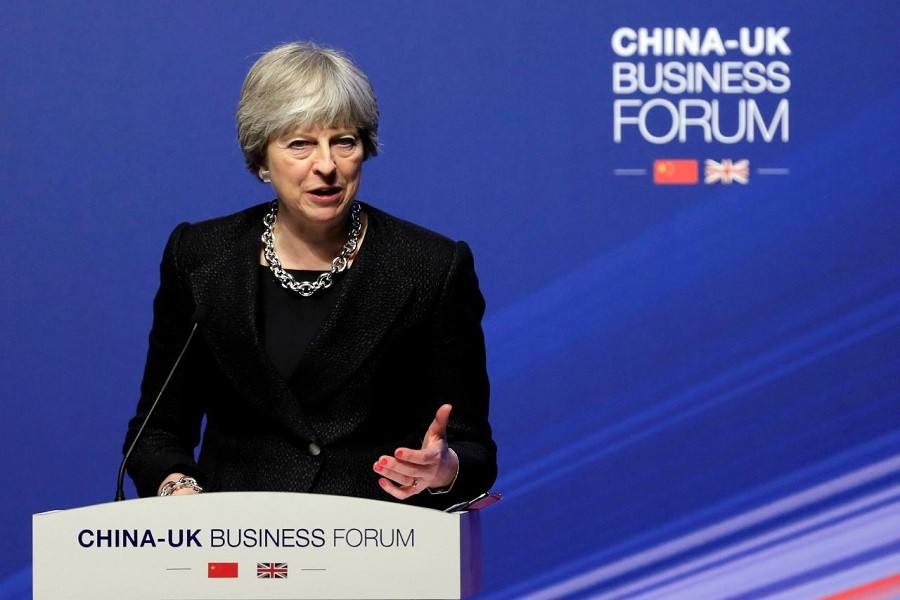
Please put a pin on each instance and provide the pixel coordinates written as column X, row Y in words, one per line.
column 403, row 338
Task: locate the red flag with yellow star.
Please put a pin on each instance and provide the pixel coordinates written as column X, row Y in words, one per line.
column 676, row 171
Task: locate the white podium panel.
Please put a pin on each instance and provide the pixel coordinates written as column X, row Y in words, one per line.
column 255, row 545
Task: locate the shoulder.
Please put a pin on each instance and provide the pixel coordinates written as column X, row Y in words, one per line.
column 236, row 224
column 197, row 242
column 409, row 239
column 409, row 255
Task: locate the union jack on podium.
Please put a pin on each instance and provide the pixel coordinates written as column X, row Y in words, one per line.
column 271, row 570
column 726, row 171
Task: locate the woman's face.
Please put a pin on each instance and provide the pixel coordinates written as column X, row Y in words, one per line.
column 315, row 172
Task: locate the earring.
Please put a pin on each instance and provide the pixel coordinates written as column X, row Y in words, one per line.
column 265, row 176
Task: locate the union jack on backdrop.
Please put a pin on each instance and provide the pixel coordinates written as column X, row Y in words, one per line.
column 271, row 570
column 726, row 171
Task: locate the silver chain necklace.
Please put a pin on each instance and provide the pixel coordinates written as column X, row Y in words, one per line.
column 323, row 281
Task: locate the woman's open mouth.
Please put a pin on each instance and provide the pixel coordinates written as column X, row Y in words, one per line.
column 327, row 193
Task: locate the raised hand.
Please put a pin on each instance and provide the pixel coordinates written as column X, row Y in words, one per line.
column 434, row 465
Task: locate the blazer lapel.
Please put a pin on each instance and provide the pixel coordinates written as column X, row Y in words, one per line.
column 370, row 301
column 228, row 284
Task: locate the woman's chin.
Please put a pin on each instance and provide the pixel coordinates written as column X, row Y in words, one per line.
column 318, row 210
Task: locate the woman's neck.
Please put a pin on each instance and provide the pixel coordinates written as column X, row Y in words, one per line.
column 310, row 246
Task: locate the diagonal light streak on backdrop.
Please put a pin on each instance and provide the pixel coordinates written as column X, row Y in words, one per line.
column 733, row 527
column 833, row 337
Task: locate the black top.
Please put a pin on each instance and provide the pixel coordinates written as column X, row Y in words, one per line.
column 287, row 320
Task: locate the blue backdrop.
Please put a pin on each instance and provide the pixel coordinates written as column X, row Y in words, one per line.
column 696, row 387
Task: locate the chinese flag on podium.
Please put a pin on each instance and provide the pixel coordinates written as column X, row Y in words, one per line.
column 222, row 569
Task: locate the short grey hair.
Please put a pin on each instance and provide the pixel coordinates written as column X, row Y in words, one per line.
column 303, row 85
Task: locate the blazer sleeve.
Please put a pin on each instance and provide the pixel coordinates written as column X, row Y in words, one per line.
column 461, row 378
column 168, row 441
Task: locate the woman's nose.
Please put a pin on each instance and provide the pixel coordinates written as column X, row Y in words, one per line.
column 324, row 161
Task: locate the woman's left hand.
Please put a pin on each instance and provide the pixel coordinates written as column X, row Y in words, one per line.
column 409, row 472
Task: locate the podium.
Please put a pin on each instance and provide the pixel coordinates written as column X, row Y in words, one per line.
column 262, row 545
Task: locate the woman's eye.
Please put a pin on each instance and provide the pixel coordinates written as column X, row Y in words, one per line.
column 346, row 146
column 298, row 144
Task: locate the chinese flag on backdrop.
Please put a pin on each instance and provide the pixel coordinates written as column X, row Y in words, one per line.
column 222, row 569
column 672, row 171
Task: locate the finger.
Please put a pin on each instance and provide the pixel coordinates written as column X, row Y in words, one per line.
column 427, row 456
column 398, row 471
column 438, row 428
column 399, row 492
column 404, row 475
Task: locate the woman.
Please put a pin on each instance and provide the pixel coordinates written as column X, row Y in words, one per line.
column 343, row 353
